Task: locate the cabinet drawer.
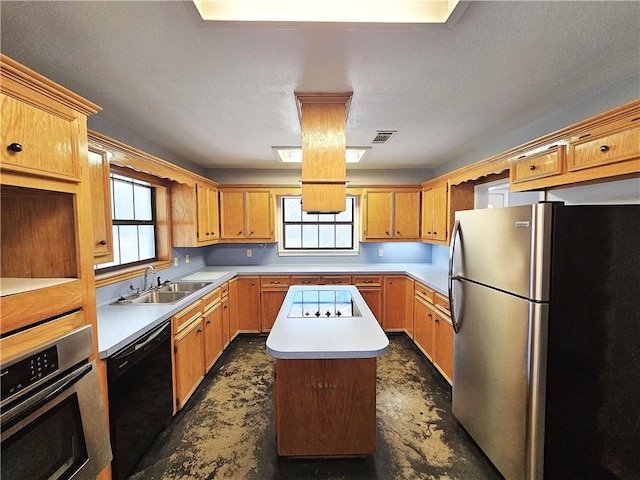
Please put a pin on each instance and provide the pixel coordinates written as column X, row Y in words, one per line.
column 539, row 165
column 336, row 280
column 442, row 303
column 424, row 292
column 274, row 281
column 224, row 289
column 211, row 298
column 48, row 140
column 305, row 280
column 186, row 316
column 367, row 280
column 590, row 151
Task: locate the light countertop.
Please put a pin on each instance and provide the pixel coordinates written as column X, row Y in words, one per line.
column 326, row 337
column 119, row 325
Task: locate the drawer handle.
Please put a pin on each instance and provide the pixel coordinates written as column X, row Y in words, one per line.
column 15, row 147
column 102, row 242
column 532, row 167
column 604, row 148
column 274, row 282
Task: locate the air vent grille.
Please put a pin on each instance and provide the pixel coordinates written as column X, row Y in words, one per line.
column 383, row 136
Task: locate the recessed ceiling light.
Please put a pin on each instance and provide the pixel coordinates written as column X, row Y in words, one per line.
column 351, row 11
column 294, row 154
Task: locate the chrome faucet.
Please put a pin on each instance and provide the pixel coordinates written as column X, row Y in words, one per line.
column 147, row 270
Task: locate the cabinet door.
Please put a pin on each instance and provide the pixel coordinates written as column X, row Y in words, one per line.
column 213, row 217
column 270, row 304
column 189, row 361
column 419, row 322
column 406, row 215
column 213, row 336
column 207, row 206
column 226, row 323
column 377, row 218
column 424, row 321
column 259, row 215
column 100, row 206
column 202, row 199
column 233, row 308
column 440, row 212
column 231, row 215
column 427, row 214
column 444, row 346
column 46, row 142
column 373, row 297
column 393, row 299
column 249, row 307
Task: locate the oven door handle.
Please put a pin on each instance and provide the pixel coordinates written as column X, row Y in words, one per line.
column 24, row 408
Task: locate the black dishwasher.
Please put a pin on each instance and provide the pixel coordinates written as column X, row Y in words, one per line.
column 140, row 396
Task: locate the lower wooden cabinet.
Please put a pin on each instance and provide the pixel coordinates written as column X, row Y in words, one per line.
column 249, row 304
column 233, row 308
column 370, row 287
column 273, row 289
column 213, row 335
column 433, row 331
column 188, row 349
column 396, row 305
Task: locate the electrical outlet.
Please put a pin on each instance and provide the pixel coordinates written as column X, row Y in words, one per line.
column 175, row 261
column 380, row 252
column 186, row 259
column 249, row 252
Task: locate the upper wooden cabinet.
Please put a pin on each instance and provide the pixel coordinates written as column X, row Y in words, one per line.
column 391, row 215
column 604, row 146
column 440, row 201
column 540, row 164
column 100, row 206
column 194, row 212
column 434, row 212
column 208, row 222
column 46, row 257
column 246, row 215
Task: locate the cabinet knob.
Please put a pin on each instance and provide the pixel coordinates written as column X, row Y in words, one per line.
column 199, row 330
column 604, row 148
column 532, row 167
column 208, row 322
column 102, row 242
column 14, row 147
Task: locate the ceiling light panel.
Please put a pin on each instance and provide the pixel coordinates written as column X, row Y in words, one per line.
column 350, row 11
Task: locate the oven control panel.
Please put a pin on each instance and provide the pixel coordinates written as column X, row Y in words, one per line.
column 28, row 371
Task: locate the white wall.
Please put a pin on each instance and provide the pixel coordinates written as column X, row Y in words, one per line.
column 623, row 90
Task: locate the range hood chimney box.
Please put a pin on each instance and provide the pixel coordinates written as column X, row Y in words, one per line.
column 323, row 118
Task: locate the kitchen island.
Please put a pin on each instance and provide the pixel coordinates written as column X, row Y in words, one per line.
column 325, row 341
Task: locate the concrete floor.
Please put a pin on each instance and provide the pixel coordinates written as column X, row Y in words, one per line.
column 226, row 429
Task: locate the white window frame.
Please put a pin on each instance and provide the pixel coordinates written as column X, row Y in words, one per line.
column 318, row 252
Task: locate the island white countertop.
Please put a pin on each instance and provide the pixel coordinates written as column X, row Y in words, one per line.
column 326, row 337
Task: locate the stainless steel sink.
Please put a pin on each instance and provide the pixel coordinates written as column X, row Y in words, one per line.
column 160, row 297
column 189, row 287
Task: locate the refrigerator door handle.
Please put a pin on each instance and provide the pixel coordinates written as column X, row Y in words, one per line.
column 452, row 276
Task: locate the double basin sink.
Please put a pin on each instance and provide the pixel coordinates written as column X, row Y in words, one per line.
column 167, row 293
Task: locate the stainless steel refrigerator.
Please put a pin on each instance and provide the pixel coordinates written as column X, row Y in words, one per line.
column 545, row 302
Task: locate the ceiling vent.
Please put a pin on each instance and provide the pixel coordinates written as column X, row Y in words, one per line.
column 383, row 136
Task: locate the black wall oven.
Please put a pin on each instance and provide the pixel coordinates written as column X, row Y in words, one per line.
column 52, row 419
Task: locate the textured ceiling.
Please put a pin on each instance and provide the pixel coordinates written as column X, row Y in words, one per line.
column 222, row 95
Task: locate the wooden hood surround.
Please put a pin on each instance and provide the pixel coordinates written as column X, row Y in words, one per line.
column 323, row 118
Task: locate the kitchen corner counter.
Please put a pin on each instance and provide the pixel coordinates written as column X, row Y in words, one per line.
column 119, row 325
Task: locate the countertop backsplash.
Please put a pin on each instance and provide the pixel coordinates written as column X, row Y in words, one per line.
column 267, row 254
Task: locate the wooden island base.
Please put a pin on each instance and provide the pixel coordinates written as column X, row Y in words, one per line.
column 325, row 407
